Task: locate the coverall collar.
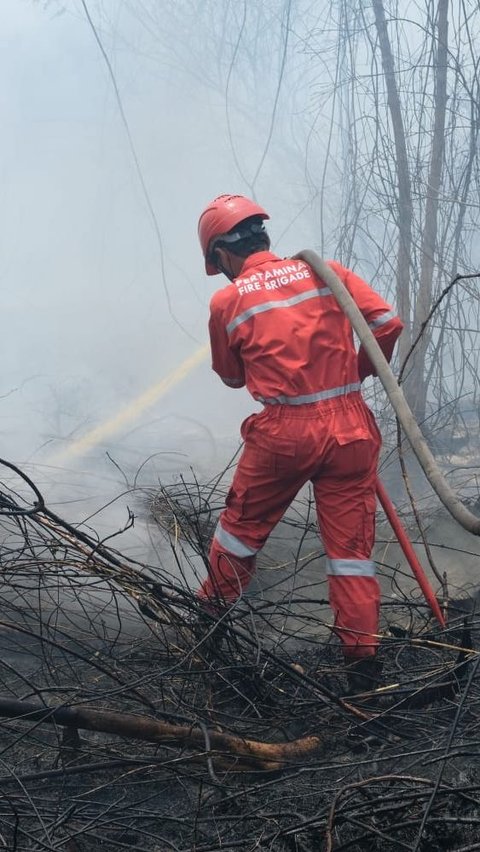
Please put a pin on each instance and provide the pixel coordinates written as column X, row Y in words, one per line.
column 257, row 259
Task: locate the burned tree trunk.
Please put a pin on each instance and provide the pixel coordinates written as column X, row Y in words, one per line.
column 267, row 756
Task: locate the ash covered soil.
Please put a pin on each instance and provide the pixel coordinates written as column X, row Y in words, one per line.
column 256, row 744
column 393, row 770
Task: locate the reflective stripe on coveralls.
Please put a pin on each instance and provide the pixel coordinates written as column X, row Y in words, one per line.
column 270, row 306
column 233, row 544
column 307, row 398
column 350, row 567
column 296, row 300
column 334, row 567
column 386, row 317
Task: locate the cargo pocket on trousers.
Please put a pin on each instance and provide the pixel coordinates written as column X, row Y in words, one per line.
column 356, row 455
column 273, row 455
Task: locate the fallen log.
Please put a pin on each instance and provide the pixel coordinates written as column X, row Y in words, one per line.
column 270, row 757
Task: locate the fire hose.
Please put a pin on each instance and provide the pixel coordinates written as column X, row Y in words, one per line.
column 409, row 552
column 409, row 426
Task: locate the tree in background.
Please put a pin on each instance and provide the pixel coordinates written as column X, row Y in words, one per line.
column 377, row 107
column 407, row 104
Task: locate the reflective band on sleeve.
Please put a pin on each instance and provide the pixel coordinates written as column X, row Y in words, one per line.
column 232, row 543
column 306, row 398
column 350, row 567
column 283, row 303
column 386, row 317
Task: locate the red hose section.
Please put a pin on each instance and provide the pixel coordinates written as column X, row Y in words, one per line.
column 409, row 552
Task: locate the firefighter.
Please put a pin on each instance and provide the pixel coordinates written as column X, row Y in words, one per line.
column 277, row 329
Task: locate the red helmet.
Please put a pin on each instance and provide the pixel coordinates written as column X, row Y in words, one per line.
column 221, row 215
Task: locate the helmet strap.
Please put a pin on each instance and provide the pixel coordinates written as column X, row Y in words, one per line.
column 227, row 272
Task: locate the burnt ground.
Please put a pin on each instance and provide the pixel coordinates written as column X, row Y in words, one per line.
column 406, row 777
column 84, row 626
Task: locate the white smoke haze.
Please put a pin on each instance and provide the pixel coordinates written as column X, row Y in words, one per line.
column 90, row 318
column 87, row 325
column 95, row 310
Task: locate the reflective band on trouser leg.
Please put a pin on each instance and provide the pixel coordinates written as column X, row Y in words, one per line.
column 231, row 544
column 232, row 564
column 350, row 567
column 355, row 601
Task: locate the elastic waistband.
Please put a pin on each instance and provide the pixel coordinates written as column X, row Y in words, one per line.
column 322, row 408
column 312, row 398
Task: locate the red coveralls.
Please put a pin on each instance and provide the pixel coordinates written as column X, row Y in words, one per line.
column 278, row 330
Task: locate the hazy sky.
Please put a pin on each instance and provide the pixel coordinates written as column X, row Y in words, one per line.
column 86, row 325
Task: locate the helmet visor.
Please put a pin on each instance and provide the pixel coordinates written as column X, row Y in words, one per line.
column 241, row 232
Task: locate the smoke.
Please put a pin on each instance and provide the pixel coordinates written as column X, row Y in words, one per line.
column 94, row 315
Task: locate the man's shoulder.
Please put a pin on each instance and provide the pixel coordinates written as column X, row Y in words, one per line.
column 222, row 297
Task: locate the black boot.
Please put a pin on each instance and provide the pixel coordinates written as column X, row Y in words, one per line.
column 363, row 674
column 209, row 628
